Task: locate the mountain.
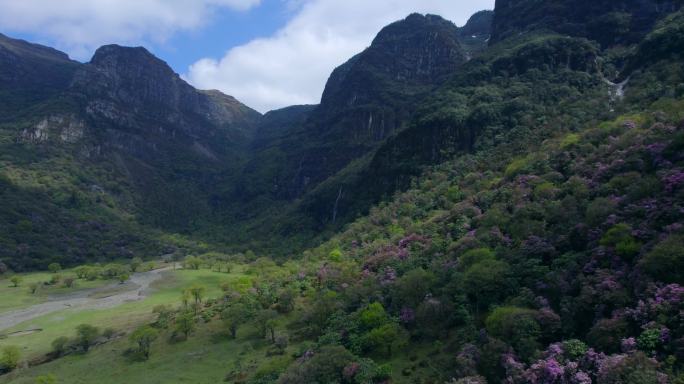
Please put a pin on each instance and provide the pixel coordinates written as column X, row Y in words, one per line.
column 30, row 73
column 123, row 139
column 366, row 100
column 609, row 22
column 510, row 214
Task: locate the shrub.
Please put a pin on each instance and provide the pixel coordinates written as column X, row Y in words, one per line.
column 60, row 345
column 9, row 358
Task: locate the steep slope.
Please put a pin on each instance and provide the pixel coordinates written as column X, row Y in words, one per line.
column 606, row 21
column 539, row 75
column 121, row 140
column 30, row 73
column 366, row 100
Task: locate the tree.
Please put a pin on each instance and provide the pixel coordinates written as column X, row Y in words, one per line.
column 163, row 315
column 665, row 262
column 54, row 267
column 123, row 277
column 3, row 268
column 486, row 282
column 517, row 326
column 86, row 335
column 81, row 271
column 185, row 323
column 197, row 292
column 143, row 338
column 136, row 262
column 412, row 288
column 286, row 301
column 324, row 366
column 192, row 262
column 235, row 315
column 16, row 280
column 386, row 336
column 373, row 316
column 266, row 320
column 9, row 359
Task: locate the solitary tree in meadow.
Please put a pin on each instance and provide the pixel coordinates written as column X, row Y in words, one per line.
column 15, row 280
column 143, row 338
column 54, row 267
column 86, row 335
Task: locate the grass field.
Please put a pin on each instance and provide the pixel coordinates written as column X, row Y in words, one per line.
column 121, row 318
column 12, row 298
column 206, row 357
column 203, row 359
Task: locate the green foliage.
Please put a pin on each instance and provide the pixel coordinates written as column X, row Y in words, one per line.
column 335, row 255
column 575, row 348
column 325, row 366
column 486, row 282
column 373, row 316
column 60, row 345
column 517, row 326
column 185, row 323
column 192, row 262
column 386, row 337
column 46, row 379
column 54, row 267
column 16, row 280
column 86, row 336
column 666, row 260
column 620, row 237
column 474, row 256
column 143, row 338
column 413, row 286
column 9, row 358
column 235, row 315
column 649, row 340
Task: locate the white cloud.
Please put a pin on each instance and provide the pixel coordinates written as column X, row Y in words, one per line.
column 80, row 26
column 292, row 66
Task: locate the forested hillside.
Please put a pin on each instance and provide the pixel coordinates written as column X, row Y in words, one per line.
column 460, row 208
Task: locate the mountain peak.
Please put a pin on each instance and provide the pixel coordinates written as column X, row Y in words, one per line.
column 119, row 57
column 417, row 51
column 413, row 25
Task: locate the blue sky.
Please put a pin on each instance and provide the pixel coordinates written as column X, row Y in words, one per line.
column 267, row 53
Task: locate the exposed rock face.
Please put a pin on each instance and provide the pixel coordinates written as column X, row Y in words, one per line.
column 66, row 129
column 607, row 21
column 131, row 88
